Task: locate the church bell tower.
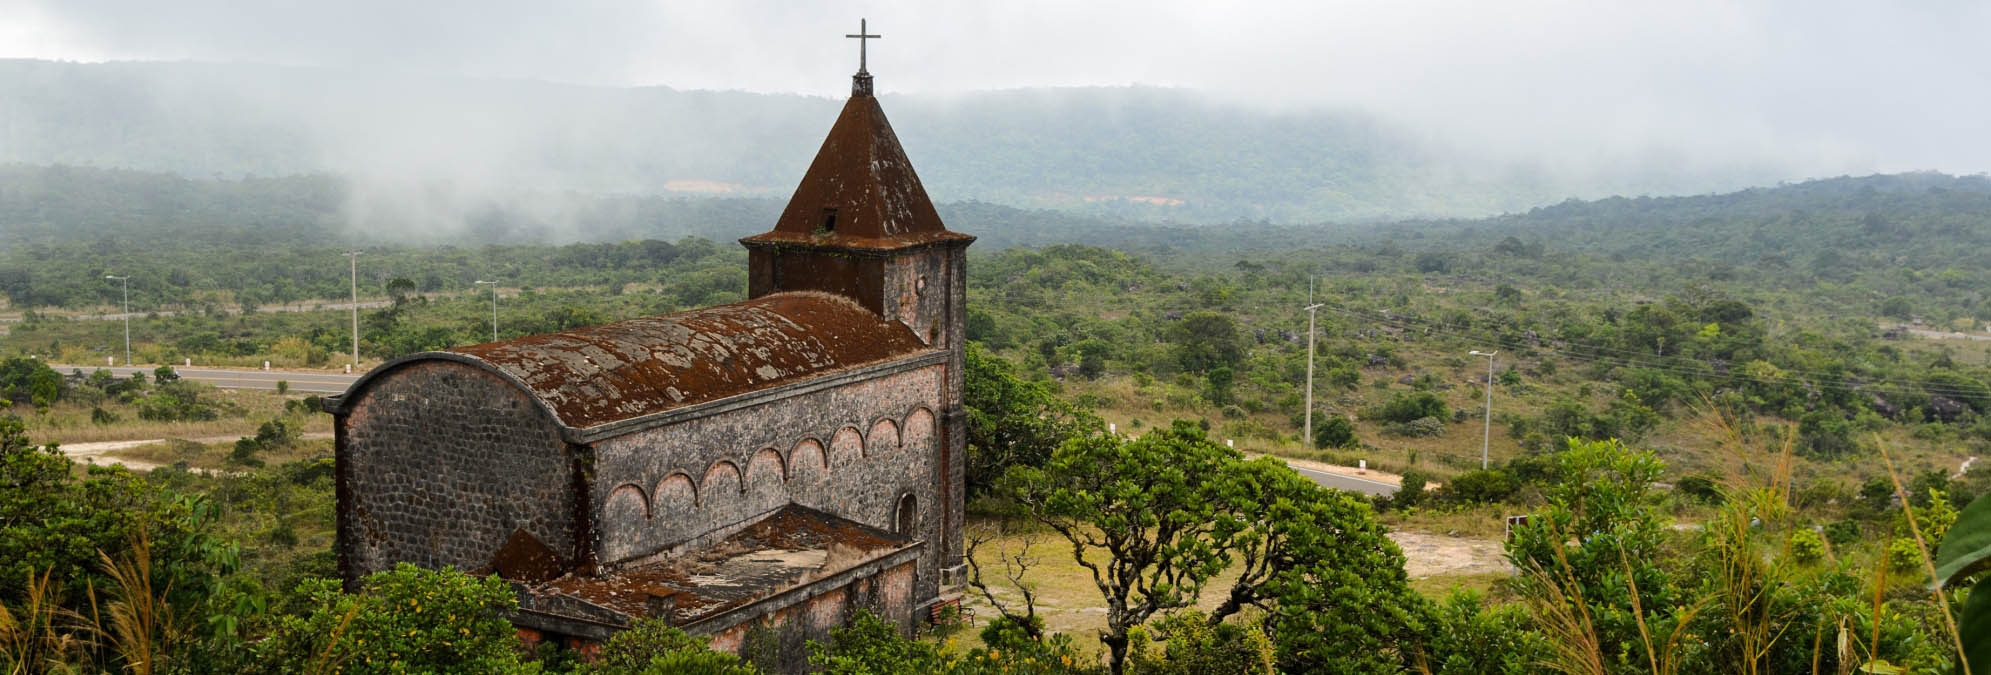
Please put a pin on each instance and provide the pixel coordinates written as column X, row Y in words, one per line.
column 861, row 226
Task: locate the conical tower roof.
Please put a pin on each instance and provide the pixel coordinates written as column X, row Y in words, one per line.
column 861, row 191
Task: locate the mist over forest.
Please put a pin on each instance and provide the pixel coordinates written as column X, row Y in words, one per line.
column 1404, row 337
column 431, row 155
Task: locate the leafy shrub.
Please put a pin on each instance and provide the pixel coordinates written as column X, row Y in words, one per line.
column 406, row 620
column 1343, row 377
column 1194, row 647
column 1825, row 434
column 1468, row 637
column 1334, row 432
column 1700, row 487
column 1411, row 493
column 869, row 644
column 1422, row 427
column 1806, row 546
column 178, row 400
column 654, row 647
column 1479, row 487
column 1410, row 406
column 1842, row 533
column 1903, row 556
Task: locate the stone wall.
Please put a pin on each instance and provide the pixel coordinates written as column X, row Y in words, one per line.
column 439, row 462
column 786, row 632
column 930, row 297
column 855, row 450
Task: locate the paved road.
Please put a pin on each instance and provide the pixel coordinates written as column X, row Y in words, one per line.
column 308, row 383
column 115, row 316
column 1344, row 482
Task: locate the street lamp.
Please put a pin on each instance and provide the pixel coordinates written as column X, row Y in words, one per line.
column 494, row 308
column 1486, row 438
column 352, row 258
column 1309, row 430
column 126, row 282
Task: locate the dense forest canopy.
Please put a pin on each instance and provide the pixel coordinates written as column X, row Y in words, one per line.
column 1921, row 242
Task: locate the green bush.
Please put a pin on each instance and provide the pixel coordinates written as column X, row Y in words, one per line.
column 1479, row 487
column 1410, row 406
column 1411, row 493
column 1806, row 546
column 1194, row 647
column 406, row 620
column 1334, row 432
column 1700, row 487
column 1422, row 427
column 1469, row 637
column 654, row 647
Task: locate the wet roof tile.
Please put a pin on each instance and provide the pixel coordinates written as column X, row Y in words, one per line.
column 627, row 369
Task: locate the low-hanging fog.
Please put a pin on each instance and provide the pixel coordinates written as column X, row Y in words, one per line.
column 1188, row 111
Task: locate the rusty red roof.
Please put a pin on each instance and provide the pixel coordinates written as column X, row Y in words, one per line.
column 861, row 191
column 628, row 369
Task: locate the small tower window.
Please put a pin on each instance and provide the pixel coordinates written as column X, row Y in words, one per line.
column 908, row 517
column 829, row 220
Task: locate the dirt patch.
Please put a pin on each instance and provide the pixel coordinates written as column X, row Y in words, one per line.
column 107, row 452
column 1371, row 474
column 1436, row 555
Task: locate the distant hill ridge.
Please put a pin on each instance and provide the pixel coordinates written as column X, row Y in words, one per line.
column 1934, row 217
column 1141, row 153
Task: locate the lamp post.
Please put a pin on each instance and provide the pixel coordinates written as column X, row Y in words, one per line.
column 126, row 282
column 1486, row 438
column 353, row 259
column 494, row 308
column 1311, row 307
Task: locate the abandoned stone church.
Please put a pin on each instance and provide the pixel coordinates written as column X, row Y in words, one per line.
column 774, row 463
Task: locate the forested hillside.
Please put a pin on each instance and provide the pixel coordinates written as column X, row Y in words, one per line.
column 1918, row 243
column 425, row 143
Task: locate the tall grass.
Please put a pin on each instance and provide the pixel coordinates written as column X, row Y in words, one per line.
column 1928, row 557
column 40, row 635
column 141, row 624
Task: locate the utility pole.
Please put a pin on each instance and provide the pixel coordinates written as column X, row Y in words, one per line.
column 494, row 308
column 1486, row 437
column 353, row 258
column 126, row 281
column 1311, row 306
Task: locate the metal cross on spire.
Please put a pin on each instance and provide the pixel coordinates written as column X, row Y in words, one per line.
column 860, row 84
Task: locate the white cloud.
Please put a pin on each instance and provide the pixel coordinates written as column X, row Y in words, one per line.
column 1819, row 87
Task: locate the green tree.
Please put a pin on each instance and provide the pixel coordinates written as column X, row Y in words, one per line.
column 1155, row 519
column 1092, row 353
column 1206, row 340
column 1012, row 422
column 1217, row 385
column 1142, row 506
column 1334, row 431
column 1328, row 580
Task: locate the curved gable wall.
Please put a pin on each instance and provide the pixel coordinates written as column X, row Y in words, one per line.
column 440, row 461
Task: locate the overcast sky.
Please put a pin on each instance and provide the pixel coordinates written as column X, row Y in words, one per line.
column 1822, row 87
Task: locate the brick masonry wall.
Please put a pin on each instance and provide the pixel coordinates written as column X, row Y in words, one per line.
column 888, row 594
column 854, row 451
column 440, row 461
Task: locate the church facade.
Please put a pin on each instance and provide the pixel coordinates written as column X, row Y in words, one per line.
column 773, row 464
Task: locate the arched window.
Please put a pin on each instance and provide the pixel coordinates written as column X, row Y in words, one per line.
column 907, row 521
